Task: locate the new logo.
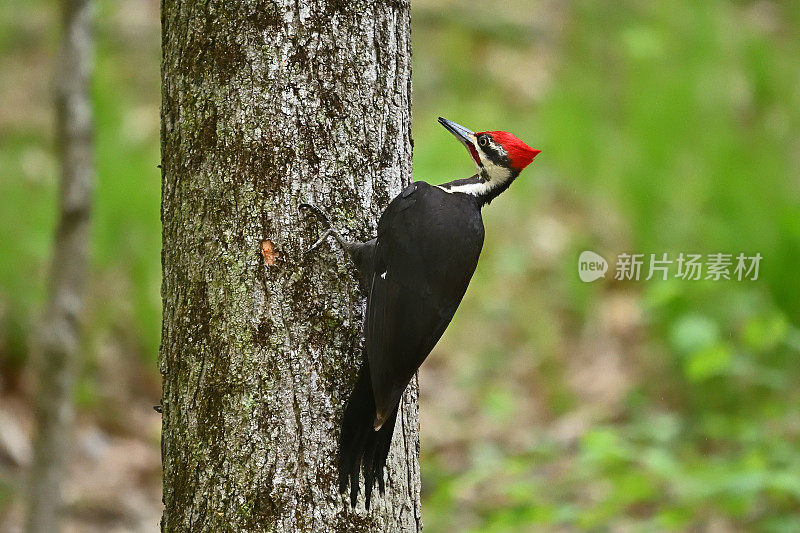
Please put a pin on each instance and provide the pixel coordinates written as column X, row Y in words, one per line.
column 591, row 266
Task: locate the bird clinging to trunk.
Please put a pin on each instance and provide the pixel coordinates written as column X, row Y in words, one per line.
column 415, row 272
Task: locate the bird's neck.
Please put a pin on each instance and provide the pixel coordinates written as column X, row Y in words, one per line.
column 483, row 186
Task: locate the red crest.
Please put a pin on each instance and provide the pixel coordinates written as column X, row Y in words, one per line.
column 520, row 154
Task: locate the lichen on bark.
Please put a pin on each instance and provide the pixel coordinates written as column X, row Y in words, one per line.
column 266, row 105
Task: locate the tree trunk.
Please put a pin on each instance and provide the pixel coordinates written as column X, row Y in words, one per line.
column 267, row 105
column 59, row 341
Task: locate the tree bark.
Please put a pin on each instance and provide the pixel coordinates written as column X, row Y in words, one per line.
column 59, row 340
column 266, row 105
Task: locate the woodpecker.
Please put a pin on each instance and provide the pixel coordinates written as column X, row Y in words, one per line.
column 415, row 273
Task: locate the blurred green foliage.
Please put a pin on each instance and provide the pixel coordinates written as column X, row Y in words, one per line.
column 665, row 127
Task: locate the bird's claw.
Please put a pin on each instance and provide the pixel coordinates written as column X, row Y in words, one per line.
column 328, row 233
column 320, row 214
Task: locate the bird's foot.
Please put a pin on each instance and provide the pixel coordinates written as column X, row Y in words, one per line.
column 329, row 231
column 319, row 213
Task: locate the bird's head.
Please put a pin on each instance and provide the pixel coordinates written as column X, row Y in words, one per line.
column 499, row 156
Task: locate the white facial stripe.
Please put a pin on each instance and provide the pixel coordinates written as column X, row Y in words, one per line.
column 495, row 174
column 496, row 147
column 475, row 189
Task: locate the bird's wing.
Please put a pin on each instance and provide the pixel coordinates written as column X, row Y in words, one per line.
column 419, row 279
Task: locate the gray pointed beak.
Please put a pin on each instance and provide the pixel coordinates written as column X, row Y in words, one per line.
column 462, row 134
column 465, row 136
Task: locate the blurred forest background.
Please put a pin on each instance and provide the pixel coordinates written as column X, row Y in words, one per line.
column 550, row 403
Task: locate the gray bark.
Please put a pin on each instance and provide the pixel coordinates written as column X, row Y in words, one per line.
column 266, row 105
column 59, row 340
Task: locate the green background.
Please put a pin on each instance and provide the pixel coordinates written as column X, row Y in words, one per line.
column 665, row 127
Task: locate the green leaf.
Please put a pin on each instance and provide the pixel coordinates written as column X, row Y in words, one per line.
column 707, row 362
column 763, row 333
column 693, row 332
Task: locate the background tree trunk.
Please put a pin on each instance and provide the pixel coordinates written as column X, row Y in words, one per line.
column 266, row 105
column 59, row 340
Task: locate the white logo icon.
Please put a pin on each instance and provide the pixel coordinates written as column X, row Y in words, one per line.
column 591, row 266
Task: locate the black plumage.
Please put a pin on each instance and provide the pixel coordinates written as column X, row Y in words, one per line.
column 420, row 272
column 415, row 273
column 427, row 249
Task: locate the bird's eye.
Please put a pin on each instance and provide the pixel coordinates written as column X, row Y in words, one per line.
column 482, row 141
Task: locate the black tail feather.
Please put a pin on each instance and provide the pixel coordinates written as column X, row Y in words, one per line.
column 361, row 447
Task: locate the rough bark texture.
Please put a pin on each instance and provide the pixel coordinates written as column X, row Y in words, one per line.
column 60, row 336
column 266, row 105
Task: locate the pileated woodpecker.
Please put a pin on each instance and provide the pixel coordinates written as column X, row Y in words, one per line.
column 415, row 272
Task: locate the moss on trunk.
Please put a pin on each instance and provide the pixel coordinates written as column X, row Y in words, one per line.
column 266, row 105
